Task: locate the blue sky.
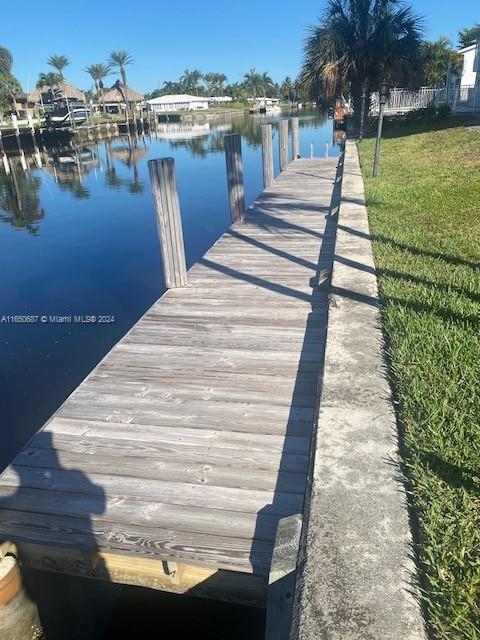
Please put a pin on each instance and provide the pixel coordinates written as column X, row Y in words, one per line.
column 167, row 36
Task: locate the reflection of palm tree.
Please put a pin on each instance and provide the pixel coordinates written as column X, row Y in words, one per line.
column 19, row 199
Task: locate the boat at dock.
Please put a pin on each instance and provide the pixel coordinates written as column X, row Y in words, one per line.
column 65, row 117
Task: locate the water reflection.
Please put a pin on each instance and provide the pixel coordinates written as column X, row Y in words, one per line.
column 81, row 169
column 19, row 198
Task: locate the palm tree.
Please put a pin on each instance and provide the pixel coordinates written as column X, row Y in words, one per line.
column 120, row 59
column 50, row 80
column 98, row 72
column 215, row 82
column 253, row 82
column 359, row 43
column 191, row 80
column 6, row 61
column 468, row 36
column 438, row 58
column 58, row 62
column 267, row 84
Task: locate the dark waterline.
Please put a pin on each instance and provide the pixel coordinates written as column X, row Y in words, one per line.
column 79, row 238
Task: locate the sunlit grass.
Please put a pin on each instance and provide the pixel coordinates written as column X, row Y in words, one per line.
column 424, row 211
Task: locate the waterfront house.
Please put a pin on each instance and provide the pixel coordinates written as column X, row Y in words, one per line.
column 181, row 102
column 121, row 96
column 59, row 93
column 219, row 100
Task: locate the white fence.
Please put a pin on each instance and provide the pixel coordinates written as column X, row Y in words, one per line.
column 403, row 100
column 466, row 98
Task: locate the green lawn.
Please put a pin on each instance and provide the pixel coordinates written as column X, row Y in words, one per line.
column 424, row 211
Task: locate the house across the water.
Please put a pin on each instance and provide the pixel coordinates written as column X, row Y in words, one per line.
column 180, row 102
column 121, row 97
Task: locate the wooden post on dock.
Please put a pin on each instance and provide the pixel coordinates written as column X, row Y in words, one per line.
column 167, row 206
column 295, row 138
column 236, row 190
column 267, row 155
column 283, row 143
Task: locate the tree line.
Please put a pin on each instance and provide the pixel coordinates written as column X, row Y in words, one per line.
column 253, row 85
column 356, row 44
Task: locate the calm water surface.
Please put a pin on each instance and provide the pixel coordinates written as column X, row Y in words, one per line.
column 79, row 238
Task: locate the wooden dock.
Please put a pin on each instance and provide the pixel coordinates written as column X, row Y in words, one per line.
column 173, row 462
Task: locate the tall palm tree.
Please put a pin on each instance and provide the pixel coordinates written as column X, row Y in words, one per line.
column 58, row 62
column 267, row 84
column 120, row 59
column 253, row 82
column 98, row 72
column 6, row 61
column 215, row 83
column 359, row 43
column 191, row 80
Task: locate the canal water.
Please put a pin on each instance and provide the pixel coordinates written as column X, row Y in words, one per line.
column 78, row 239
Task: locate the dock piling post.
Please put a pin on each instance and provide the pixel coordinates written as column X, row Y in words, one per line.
column 283, row 143
column 167, row 206
column 294, row 122
column 267, row 155
column 236, row 189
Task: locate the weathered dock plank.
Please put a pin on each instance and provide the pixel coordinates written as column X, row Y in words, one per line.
column 191, row 439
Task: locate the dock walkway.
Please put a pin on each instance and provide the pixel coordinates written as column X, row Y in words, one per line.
column 191, row 438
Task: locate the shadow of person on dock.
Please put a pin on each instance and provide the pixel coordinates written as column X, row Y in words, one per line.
column 71, row 605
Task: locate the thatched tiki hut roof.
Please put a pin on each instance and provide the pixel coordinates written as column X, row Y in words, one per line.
column 63, row 90
column 120, row 93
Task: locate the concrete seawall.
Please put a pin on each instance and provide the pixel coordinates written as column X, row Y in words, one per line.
column 356, row 576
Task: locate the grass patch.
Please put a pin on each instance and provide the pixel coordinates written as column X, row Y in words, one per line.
column 424, row 212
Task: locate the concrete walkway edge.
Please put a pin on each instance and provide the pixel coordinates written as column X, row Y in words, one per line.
column 356, row 573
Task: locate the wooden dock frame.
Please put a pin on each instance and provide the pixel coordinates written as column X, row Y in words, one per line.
column 177, row 574
column 154, row 573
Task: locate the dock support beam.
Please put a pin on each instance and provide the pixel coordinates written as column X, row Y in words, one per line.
column 236, row 190
column 283, row 144
column 282, row 578
column 295, row 138
column 167, row 206
column 267, row 155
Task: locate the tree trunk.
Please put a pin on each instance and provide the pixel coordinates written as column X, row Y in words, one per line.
column 361, row 102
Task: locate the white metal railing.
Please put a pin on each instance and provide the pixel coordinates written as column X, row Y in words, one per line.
column 403, row 100
column 466, row 98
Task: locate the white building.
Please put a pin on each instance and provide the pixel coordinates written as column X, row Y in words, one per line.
column 471, row 65
column 181, row 102
column 220, row 99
